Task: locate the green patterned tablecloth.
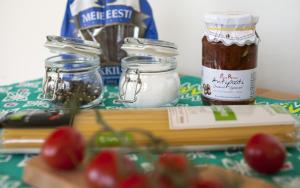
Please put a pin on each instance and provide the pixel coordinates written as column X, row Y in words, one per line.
column 27, row 96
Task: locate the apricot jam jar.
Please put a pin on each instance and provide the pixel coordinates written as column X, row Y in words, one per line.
column 229, row 58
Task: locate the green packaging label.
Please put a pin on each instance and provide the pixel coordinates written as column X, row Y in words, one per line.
column 223, row 113
column 111, row 139
column 17, row 116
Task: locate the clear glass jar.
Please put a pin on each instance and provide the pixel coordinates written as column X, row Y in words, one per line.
column 73, row 74
column 149, row 77
column 229, row 58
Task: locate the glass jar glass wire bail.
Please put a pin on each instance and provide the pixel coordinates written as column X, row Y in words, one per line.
column 147, row 58
column 149, row 47
column 73, row 69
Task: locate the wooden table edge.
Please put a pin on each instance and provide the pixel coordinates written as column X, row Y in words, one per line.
column 274, row 94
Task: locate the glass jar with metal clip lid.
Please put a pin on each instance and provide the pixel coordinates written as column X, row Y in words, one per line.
column 72, row 73
column 149, row 77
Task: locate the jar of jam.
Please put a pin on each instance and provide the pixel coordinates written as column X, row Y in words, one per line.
column 229, row 58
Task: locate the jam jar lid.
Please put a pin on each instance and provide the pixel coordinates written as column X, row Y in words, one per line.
column 230, row 18
column 73, row 46
column 231, row 28
column 149, row 47
column 148, row 64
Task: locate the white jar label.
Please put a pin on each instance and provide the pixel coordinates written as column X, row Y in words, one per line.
column 228, row 85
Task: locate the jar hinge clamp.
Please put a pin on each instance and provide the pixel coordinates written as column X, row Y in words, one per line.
column 48, row 79
column 130, row 87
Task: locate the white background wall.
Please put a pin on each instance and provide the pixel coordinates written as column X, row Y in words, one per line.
column 24, row 25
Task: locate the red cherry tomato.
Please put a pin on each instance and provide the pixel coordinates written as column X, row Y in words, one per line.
column 265, row 153
column 209, row 184
column 134, row 181
column 173, row 161
column 63, row 149
column 164, row 181
column 169, row 166
column 106, row 169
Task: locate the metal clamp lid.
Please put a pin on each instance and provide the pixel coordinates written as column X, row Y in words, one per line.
column 131, row 86
column 141, row 46
column 56, row 81
column 73, row 45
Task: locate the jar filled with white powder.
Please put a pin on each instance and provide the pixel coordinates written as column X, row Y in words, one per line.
column 149, row 77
